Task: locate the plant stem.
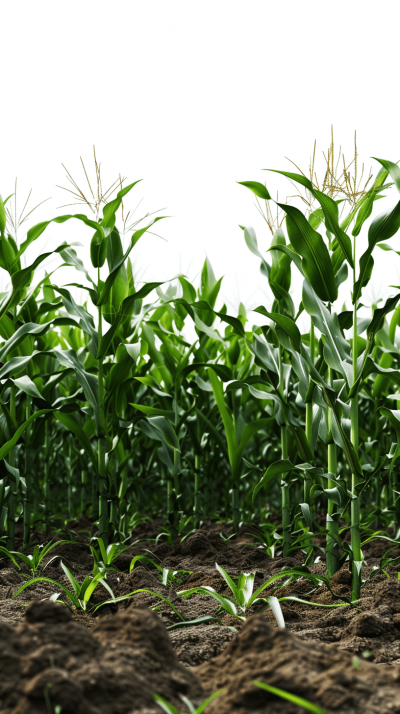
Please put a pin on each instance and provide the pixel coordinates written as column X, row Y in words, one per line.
column 332, row 523
column 309, row 405
column 235, row 508
column 46, row 484
column 28, row 481
column 197, row 495
column 12, row 498
column 285, row 489
column 355, row 502
column 101, row 443
column 309, row 426
column 83, row 489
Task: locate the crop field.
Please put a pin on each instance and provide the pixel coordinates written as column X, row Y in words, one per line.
column 198, row 513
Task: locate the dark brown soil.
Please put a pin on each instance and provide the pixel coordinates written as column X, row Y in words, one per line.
column 315, row 671
column 112, row 670
column 346, row 659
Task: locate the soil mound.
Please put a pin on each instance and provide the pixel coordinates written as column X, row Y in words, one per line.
column 316, row 671
column 49, row 660
column 207, row 548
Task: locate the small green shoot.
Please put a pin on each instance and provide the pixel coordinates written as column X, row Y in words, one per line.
column 104, row 557
column 34, row 561
column 294, row 698
column 80, row 593
column 171, row 709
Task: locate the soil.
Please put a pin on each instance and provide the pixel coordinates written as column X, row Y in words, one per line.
column 345, row 659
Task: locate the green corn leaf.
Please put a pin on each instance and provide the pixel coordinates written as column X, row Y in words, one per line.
column 110, row 209
column 265, row 352
column 86, row 320
column 10, row 555
column 164, row 426
column 3, row 219
column 145, row 559
column 209, row 699
column 380, row 314
column 26, row 385
column 225, row 602
column 392, row 169
column 286, row 573
column 245, row 588
column 257, row 188
column 394, row 417
column 382, row 228
column 233, row 321
column 197, row 621
column 295, row 257
column 37, row 230
column 251, row 242
column 166, row 706
column 41, row 579
column 115, row 271
column 276, row 469
column 140, row 590
column 6, row 448
column 316, row 262
column 285, row 323
column 74, row 583
column 229, row 581
column 293, row 698
column 273, row 602
column 221, row 370
column 153, row 411
column 209, row 426
column 70, row 423
column 292, row 598
column 330, row 210
column 70, row 258
column 284, row 466
column 189, row 292
column 250, row 430
column 88, row 382
column 337, row 350
column 364, row 206
column 123, row 312
column 29, row 328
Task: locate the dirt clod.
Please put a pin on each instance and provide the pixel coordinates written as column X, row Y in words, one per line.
column 50, row 660
column 313, row 670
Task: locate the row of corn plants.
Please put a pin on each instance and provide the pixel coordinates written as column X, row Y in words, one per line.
column 152, row 400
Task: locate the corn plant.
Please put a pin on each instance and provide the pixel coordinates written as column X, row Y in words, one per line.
column 109, row 409
column 322, row 269
column 243, row 597
column 290, row 697
column 103, row 558
column 34, row 561
column 80, row 594
column 171, row 709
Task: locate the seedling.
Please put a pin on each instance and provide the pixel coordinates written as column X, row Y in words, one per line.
column 34, row 561
column 104, row 557
column 294, row 698
column 81, row 592
column 171, row 709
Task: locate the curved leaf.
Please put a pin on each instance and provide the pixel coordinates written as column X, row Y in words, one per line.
column 309, row 244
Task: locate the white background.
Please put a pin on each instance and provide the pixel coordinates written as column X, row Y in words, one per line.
column 192, row 97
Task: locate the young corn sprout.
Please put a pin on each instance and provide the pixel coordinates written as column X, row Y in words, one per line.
column 243, row 597
column 104, row 557
column 288, row 696
column 34, row 560
column 171, row 709
column 80, row 594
